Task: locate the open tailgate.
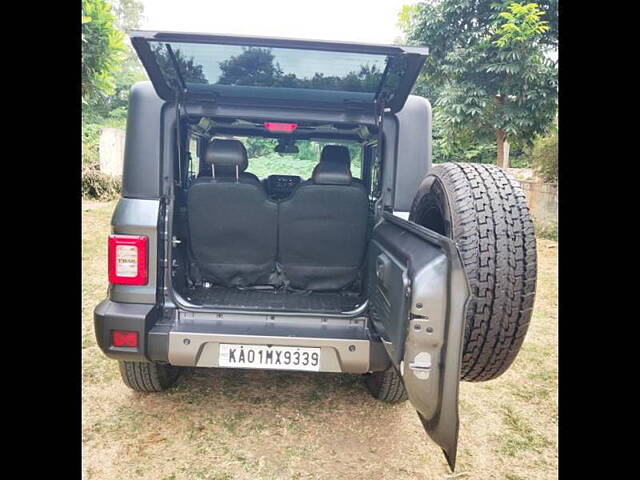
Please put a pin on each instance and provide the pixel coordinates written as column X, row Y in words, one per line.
column 260, row 71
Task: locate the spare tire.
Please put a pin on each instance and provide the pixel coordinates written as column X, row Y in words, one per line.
column 484, row 210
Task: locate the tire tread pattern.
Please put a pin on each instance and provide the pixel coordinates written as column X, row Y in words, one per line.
column 386, row 386
column 494, row 233
column 148, row 377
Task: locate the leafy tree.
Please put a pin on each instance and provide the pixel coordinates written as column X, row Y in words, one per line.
column 128, row 14
column 259, row 147
column 257, row 67
column 254, row 66
column 107, row 107
column 488, row 67
column 102, row 48
column 544, row 157
column 191, row 72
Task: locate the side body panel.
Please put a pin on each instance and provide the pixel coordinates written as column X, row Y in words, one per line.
column 138, row 217
column 414, row 150
column 143, row 143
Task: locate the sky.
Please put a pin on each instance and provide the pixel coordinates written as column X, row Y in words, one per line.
column 367, row 21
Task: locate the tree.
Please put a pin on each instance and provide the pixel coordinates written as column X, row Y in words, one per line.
column 191, row 72
column 489, row 67
column 128, row 14
column 257, row 67
column 544, row 156
column 258, row 146
column 102, row 48
column 254, row 66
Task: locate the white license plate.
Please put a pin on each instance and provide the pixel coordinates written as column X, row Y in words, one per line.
column 269, row 357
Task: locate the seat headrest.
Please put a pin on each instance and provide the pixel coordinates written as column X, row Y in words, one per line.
column 335, row 153
column 332, row 173
column 225, row 155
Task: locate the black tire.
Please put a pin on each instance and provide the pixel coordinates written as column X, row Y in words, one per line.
column 484, row 210
column 386, row 386
column 148, row 377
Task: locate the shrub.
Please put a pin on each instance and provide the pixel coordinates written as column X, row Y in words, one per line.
column 91, row 143
column 544, row 157
column 547, row 230
column 98, row 185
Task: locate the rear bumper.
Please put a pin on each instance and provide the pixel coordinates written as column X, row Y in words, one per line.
column 196, row 344
column 109, row 316
column 196, row 349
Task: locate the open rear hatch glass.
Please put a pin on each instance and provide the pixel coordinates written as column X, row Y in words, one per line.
column 262, row 71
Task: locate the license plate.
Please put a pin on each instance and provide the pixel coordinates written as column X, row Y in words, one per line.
column 269, row 357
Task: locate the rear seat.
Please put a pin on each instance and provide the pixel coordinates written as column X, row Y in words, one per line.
column 232, row 222
column 322, row 226
column 317, row 235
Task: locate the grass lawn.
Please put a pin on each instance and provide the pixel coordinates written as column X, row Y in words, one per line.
column 243, row 424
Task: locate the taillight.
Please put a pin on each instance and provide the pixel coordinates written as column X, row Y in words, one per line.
column 124, row 338
column 128, row 259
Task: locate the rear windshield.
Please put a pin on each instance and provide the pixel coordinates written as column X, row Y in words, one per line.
column 263, row 161
column 220, row 65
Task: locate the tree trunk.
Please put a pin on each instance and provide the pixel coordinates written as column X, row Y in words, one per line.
column 500, row 146
column 506, row 155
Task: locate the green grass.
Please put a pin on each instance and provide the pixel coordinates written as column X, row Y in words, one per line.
column 521, row 437
column 548, row 230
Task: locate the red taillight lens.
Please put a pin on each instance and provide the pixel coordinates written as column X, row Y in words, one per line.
column 280, row 127
column 124, row 338
column 128, row 259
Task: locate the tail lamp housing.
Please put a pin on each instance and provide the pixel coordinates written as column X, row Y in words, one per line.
column 128, row 259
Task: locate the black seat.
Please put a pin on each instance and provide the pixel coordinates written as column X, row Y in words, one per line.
column 335, row 153
column 322, row 226
column 206, row 169
column 232, row 222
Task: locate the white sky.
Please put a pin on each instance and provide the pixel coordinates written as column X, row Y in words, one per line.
column 367, row 21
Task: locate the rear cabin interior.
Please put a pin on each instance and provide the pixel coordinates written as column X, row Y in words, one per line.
column 257, row 227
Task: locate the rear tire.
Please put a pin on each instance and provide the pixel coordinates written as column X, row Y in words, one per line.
column 148, row 377
column 386, row 386
column 484, row 210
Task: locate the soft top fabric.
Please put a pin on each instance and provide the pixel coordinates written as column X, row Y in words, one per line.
column 225, row 155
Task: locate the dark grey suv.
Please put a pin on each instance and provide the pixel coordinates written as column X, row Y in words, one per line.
column 414, row 276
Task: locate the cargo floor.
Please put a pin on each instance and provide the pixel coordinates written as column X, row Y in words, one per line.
column 321, row 302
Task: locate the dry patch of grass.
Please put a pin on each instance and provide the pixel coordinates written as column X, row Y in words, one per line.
column 243, row 424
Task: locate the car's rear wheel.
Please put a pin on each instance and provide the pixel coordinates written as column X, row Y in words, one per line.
column 148, row 377
column 484, row 210
column 386, row 386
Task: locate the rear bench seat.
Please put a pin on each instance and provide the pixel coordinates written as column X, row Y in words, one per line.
column 322, row 226
column 317, row 235
column 232, row 222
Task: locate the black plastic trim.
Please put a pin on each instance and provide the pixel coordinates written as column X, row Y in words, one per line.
column 136, row 317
